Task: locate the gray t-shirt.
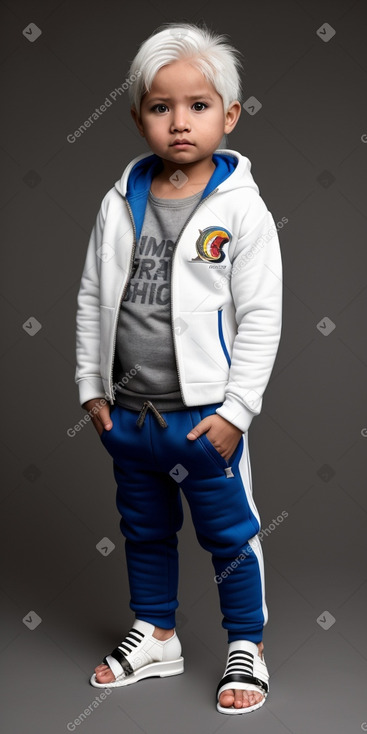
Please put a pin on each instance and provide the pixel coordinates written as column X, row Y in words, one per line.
column 144, row 335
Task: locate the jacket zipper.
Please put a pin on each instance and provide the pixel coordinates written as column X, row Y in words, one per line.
column 173, row 256
column 122, row 296
column 127, row 283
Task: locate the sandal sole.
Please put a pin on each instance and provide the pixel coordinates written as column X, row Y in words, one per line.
column 232, row 710
column 153, row 670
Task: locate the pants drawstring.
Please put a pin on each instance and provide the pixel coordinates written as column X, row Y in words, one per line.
column 141, row 418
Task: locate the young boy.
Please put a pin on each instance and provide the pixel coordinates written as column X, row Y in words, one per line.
column 178, row 326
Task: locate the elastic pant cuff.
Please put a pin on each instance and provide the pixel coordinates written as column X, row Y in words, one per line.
column 166, row 623
column 251, row 636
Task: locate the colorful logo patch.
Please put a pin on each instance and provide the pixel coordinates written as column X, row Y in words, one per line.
column 209, row 244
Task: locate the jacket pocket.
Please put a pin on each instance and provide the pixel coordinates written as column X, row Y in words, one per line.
column 201, row 345
column 221, row 336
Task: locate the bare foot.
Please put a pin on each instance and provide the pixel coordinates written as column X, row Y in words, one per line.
column 241, row 699
column 104, row 673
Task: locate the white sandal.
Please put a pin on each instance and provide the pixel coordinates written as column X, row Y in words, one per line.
column 140, row 655
column 245, row 671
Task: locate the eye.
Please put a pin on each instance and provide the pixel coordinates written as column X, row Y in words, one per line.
column 160, row 107
column 199, row 106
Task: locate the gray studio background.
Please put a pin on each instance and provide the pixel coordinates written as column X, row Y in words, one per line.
column 64, row 602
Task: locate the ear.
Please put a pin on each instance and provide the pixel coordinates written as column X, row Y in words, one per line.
column 137, row 120
column 232, row 116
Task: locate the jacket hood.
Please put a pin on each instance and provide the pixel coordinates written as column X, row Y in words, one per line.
column 232, row 172
column 138, row 175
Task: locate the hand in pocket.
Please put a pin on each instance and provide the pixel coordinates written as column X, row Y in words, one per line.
column 221, row 433
column 99, row 411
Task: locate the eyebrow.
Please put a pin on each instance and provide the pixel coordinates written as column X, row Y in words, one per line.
column 191, row 96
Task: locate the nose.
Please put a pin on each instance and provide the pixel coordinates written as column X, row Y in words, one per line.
column 179, row 121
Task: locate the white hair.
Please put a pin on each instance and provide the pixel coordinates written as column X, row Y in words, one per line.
column 207, row 51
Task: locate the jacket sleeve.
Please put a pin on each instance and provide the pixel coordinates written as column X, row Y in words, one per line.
column 256, row 285
column 87, row 374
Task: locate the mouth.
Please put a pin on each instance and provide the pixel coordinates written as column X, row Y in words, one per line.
column 179, row 143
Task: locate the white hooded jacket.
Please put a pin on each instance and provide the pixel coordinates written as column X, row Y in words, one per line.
column 226, row 289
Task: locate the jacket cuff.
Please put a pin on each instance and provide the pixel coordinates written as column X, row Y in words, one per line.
column 236, row 412
column 89, row 388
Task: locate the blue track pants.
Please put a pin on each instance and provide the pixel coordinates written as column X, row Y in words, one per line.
column 151, row 465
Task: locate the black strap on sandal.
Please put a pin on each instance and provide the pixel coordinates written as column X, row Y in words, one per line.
column 120, row 657
column 239, row 678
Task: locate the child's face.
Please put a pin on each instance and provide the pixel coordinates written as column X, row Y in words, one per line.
column 183, row 105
